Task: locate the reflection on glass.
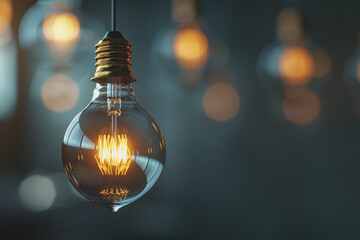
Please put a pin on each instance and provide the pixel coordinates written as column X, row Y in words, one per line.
column 114, row 193
column 191, row 48
column 61, row 31
column 221, row 102
column 113, row 151
column 59, row 93
column 301, row 106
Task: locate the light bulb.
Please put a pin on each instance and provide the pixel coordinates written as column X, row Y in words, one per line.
column 191, row 48
column 296, row 66
column 294, row 72
column 61, row 31
column 113, row 150
column 293, row 60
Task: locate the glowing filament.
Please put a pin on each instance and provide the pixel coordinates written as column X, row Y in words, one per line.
column 113, row 156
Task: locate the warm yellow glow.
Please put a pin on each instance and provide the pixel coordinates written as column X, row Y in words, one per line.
column 296, row 66
column 6, row 12
column 154, row 127
column 59, row 93
column 76, row 182
column 301, row 106
column 114, row 193
column 61, row 31
column 322, row 64
column 191, row 48
column 221, row 102
column 114, row 157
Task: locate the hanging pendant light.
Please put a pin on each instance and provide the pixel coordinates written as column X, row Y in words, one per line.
column 113, row 151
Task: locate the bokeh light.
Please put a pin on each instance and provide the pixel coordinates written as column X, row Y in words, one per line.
column 323, row 64
column 191, row 48
column 37, row 193
column 59, row 93
column 296, row 66
column 61, row 31
column 221, row 102
column 301, row 106
column 5, row 15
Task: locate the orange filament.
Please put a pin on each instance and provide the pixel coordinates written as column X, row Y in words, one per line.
column 113, row 156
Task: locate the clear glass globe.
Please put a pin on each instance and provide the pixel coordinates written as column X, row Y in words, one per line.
column 113, row 151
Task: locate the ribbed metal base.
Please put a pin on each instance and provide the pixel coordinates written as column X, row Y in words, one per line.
column 113, row 60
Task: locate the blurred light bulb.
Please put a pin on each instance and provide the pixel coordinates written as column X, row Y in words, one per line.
column 296, row 66
column 37, row 192
column 221, row 102
column 191, row 48
column 59, row 93
column 291, row 60
column 113, row 151
column 6, row 12
column 61, row 31
column 301, row 106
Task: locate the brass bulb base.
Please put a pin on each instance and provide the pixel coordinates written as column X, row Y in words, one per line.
column 113, row 60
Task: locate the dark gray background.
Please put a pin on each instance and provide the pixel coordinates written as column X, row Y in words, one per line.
column 248, row 178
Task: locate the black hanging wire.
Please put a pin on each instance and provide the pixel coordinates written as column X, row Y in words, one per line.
column 113, row 15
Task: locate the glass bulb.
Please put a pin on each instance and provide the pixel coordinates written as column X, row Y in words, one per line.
column 113, row 151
